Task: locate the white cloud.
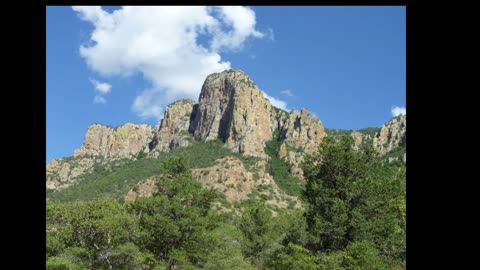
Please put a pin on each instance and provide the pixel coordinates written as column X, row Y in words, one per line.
column 103, row 88
column 99, row 100
column 241, row 20
column 276, row 102
column 396, row 111
column 162, row 44
column 287, row 92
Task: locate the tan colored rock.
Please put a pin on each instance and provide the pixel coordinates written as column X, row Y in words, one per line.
column 295, row 159
column 304, row 131
column 391, row 135
column 282, row 152
column 229, row 176
column 123, row 141
column 357, row 139
column 233, row 109
column 101, row 144
column 62, row 173
column 278, row 118
column 144, row 188
column 172, row 131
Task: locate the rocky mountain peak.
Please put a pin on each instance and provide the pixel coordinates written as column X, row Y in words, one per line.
column 303, row 131
column 393, row 134
column 172, row 130
column 123, row 141
column 232, row 108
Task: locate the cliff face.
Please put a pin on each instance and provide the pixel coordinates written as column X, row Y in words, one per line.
column 230, row 108
column 172, row 131
column 61, row 173
column 121, row 142
column 303, row 131
column 101, row 144
column 393, row 134
column 233, row 109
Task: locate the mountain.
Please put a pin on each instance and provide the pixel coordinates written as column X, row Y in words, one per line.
column 219, row 184
column 258, row 147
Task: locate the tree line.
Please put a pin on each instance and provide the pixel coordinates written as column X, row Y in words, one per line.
column 354, row 218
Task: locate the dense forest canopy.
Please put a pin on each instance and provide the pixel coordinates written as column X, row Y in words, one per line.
column 353, row 217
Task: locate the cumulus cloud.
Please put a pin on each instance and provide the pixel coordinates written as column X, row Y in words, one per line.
column 276, row 102
column 287, row 92
column 162, row 44
column 101, row 87
column 396, row 111
column 241, row 20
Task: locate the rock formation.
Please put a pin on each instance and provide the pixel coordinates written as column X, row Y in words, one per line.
column 393, row 134
column 172, row 131
column 303, row 131
column 233, row 109
column 121, row 142
column 61, row 173
column 230, row 108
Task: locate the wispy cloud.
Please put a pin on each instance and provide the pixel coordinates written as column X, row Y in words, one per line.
column 396, row 111
column 99, row 100
column 270, row 35
column 162, row 43
column 101, row 87
column 275, row 101
column 288, row 93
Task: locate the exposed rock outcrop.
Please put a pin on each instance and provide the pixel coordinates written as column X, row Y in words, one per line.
column 282, row 152
column 303, row 131
column 172, row 131
column 230, row 108
column 61, row 173
column 101, row 145
column 144, row 188
column 393, row 134
column 295, row 159
column 233, row 109
column 360, row 139
column 229, row 176
column 120, row 142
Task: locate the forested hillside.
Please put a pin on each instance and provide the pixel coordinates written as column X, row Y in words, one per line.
column 354, row 218
column 230, row 182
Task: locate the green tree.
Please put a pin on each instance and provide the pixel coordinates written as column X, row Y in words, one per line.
column 227, row 253
column 258, row 237
column 334, row 176
column 90, row 230
column 61, row 263
column 295, row 228
column 176, row 220
column 363, row 256
column 352, row 197
column 294, row 257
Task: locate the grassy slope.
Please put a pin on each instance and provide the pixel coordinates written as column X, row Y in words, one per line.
column 118, row 181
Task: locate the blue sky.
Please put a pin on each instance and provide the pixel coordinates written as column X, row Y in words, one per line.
column 346, row 65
